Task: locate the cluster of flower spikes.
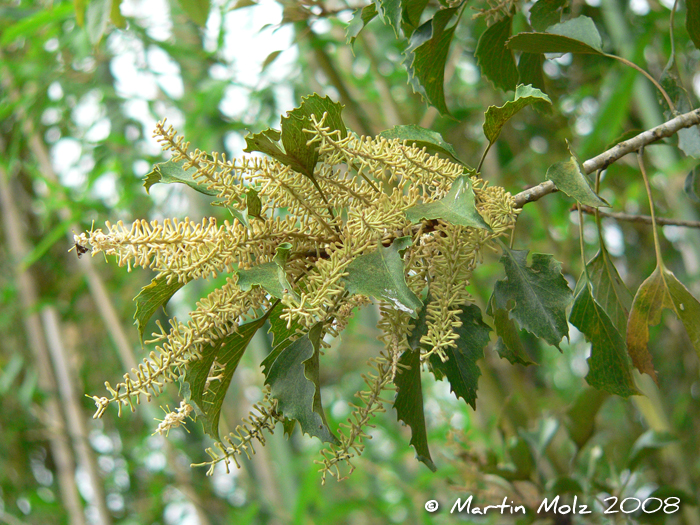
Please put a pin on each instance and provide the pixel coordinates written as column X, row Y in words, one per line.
column 355, row 203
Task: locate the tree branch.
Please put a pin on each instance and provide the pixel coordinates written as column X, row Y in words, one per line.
column 602, row 161
column 646, row 219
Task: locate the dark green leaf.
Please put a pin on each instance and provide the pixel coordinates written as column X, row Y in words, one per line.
column 457, row 207
column 426, row 57
column 496, row 117
column 197, row 10
column 409, row 405
column 294, row 382
column 509, row 346
column 522, row 459
column 539, row 294
column 646, row 444
column 546, row 13
column 608, row 366
column 226, row 353
column 294, row 151
column 419, row 137
column 360, row 18
column 578, row 35
column 271, row 276
column 412, row 11
column 581, row 416
column 690, row 185
column 494, row 58
column 282, row 336
column 380, row 274
column 530, row 73
column 173, row 172
column 692, row 20
column 460, row 368
column 150, row 298
column 608, row 289
column 391, row 12
column 569, row 178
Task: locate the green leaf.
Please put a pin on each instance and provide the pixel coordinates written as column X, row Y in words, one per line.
column 608, row 366
column 173, row 172
column 426, row 57
column 539, row 294
column 80, row 6
column 420, row 137
column 116, row 16
column 253, row 203
column 569, row 178
column 35, row 22
column 530, row 73
column 494, row 58
column 646, row 444
column 360, row 18
column 690, row 184
column 390, row 11
column 509, row 345
column 227, row 353
column 380, row 274
column 409, row 405
column 578, row 35
column 496, row 117
column 581, row 417
column 692, row 20
column 546, row 13
column 294, row 382
column 660, row 290
column 609, row 290
column 150, row 298
column 196, row 10
column 460, row 368
column 282, row 335
column 96, row 17
column 412, row 11
column 294, row 151
column 457, row 207
column 271, row 276
column 270, row 59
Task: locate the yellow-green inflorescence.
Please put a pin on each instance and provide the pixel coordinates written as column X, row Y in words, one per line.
column 356, row 203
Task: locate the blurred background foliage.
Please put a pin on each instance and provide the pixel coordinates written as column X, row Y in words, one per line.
column 81, row 87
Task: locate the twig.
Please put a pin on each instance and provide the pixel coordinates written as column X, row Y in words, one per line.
column 646, row 219
column 602, row 161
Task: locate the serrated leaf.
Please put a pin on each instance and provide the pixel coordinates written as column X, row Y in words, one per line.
column 546, row 13
column 412, row 11
column 494, row 58
column 509, row 345
column 457, row 207
column 282, row 335
column 294, row 382
column 426, row 57
column 496, row 117
column 420, row 137
column 294, row 151
column 692, row 21
column 608, row 366
column 609, row 290
column 539, row 294
column 271, row 276
column 227, row 353
column 646, row 444
column 97, row 15
column 360, row 18
column 409, row 405
column 461, row 369
column 390, row 11
column 578, row 35
column 380, row 274
column 173, row 172
column 196, row 10
column 569, row 178
column 151, row 297
column 660, row 290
